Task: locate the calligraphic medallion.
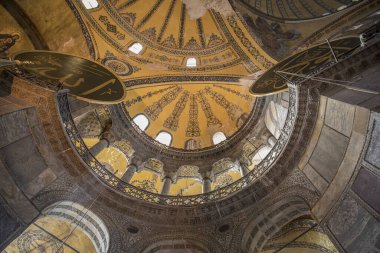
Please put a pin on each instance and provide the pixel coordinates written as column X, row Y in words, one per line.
column 302, row 63
column 86, row 79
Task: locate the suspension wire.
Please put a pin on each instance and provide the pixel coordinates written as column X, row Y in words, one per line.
column 332, row 50
column 328, row 81
column 77, row 223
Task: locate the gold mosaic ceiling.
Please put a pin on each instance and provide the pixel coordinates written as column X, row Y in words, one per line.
column 187, row 102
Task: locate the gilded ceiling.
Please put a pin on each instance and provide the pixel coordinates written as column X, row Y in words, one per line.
column 189, row 103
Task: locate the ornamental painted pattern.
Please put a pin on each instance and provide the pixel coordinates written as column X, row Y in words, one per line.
column 173, row 120
column 156, row 108
column 149, row 94
column 165, row 24
column 233, row 111
column 211, row 119
column 111, row 27
column 222, row 165
column 244, row 96
column 154, row 165
column 146, row 184
column 188, row 171
column 245, row 41
column 223, row 180
column 193, row 129
column 125, row 147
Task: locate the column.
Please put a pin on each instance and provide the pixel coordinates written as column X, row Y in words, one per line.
column 244, row 168
column 98, row 147
column 206, row 187
column 131, row 170
column 272, row 140
column 166, row 187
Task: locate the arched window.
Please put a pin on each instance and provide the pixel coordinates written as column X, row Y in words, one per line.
column 192, row 144
column 261, row 154
column 136, row 48
column 90, row 4
column 218, row 137
column 191, row 62
column 164, row 138
column 141, row 121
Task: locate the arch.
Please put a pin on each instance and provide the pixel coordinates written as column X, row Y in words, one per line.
column 200, row 243
column 136, row 48
column 164, row 138
column 271, row 219
column 65, row 224
column 260, row 154
column 191, row 62
column 218, row 137
column 141, row 121
column 309, row 237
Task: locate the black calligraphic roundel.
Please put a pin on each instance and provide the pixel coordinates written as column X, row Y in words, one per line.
column 303, row 63
column 84, row 78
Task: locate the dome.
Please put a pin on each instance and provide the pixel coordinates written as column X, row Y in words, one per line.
column 168, row 148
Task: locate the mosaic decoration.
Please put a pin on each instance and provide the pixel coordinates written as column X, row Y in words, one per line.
column 302, row 63
column 233, row 111
column 214, row 41
column 201, row 32
column 182, row 25
column 111, row 28
column 125, row 147
column 147, row 184
column 154, row 165
column 192, row 44
column 126, row 4
column 211, row 119
column 223, row 180
column 188, row 171
column 165, row 24
column 150, row 33
column 192, row 129
column 38, row 241
column 173, row 120
column 245, row 41
column 154, row 110
column 130, row 17
column 149, row 14
column 222, row 165
column 243, row 96
column 149, row 94
column 169, row 42
column 119, row 67
column 85, row 79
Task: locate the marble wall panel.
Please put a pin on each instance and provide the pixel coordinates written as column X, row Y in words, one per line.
column 367, row 186
column 329, row 152
column 23, row 160
column 373, row 152
column 355, row 228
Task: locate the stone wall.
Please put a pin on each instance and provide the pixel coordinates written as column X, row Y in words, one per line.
column 342, row 162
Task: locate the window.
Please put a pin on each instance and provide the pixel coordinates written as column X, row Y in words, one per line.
column 136, row 48
column 192, row 144
column 218, row 138
column 261, row 154
column 191, row 62
column 341, row 7
column 164, row 138
column 90, row 4
column 141, row 121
